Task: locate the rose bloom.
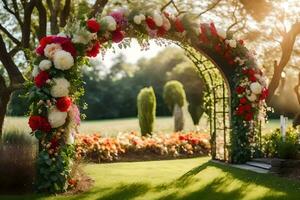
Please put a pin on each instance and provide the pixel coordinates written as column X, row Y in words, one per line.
column 45, row 65
column 41, row 79
column 51, row 49
column 63, row 60
column 60, row 87
column 57, row 118
column 63, row 104
column 39, row 123
column 93, row 25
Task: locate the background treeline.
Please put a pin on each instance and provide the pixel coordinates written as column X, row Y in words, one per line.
column 111, row 93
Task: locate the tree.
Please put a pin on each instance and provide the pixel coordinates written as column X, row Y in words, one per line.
column 30, row 18
column 174, row 97
column 146, row 104
column 194, row 87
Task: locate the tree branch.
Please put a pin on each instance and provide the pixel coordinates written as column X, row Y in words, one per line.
column 212, row 6
column 65, row 13
column 27, row 23
column 98, row 7
column 287, row 46
column 9, row 35
column 42, row 19
column 14, row 13
column 13, row 72
column 166, row 5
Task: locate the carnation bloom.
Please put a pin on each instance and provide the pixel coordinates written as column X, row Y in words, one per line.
column 57, row 118
column 178, row 25
column 41, row 79
column 60, row 87
column 255, row 88
column 39, row 123
column 74, row 114
column 45, row 65
column 117, row 36
column 94, row 51
column 111, row 23
column 63, row 104
column 158, row 19
column 93, row 25
column 151, row 23
column 63, row 60
column 51, row 49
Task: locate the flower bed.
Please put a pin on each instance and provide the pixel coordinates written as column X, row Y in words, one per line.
column 131, row 146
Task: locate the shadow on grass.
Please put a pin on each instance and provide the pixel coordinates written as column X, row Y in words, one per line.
column 286, row 189
column 124, row 192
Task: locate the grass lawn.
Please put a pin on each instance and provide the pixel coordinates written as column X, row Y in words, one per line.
column 113, row 127
column 178, row 179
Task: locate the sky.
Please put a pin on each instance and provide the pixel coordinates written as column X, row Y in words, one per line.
column 132, row 54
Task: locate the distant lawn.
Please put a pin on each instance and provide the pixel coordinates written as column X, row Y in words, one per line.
column 114, row 126
column 191, row 179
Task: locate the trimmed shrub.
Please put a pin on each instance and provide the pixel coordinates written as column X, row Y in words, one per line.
column 194, row 87
column 174, row 96
column 146, row 104
column 274, row 146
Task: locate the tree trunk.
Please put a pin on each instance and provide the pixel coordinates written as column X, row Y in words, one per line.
column 4, row 99
column 178, row 118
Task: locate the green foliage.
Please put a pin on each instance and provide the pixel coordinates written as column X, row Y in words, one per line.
column 194, row 87
column 54, row 172
column 274, row 146
column 174, row 94
column 146, row 103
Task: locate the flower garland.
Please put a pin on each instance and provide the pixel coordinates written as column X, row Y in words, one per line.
column 57, row 86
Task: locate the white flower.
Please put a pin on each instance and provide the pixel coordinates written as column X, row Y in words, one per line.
column 82, row 37
column 45, row 65
column 51, row 49
column 166, row 23
column 158, row 19
column 221, row 33
column 35, row 71
column 111, row 23
column 232, row 43
column 69, row 137
column 56, row 118
column 255, row 88
column 63, row 60
column 60, row 87
column 252, row 97
column 137, row 19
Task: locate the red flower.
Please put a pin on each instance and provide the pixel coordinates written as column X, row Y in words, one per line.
column 230, row 61
column 151, row 23
column 264, row 94
column 54, row 143
column 43, row 42
column 94, row 51
column 240, row 110
column 41, row 79
column 213, row 29
column 161, row 31
column 248, row 117
column 247, row 107
column 63, row 104
column 182, row 137
column 203, row 36
column 39, row 123
column 218, row 48
column 178, row 25
column 240, row 89
column 118, row 36
column 93, row 25
column 251, row 72
column 243, row 100
column 241, row 42
column 252, row 78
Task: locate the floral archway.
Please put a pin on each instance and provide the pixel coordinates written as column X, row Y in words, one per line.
column 57, row 86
